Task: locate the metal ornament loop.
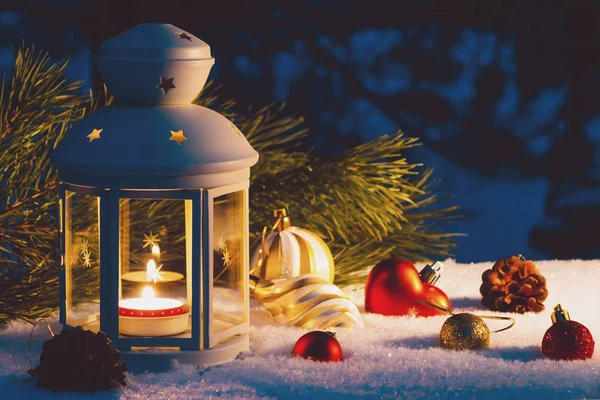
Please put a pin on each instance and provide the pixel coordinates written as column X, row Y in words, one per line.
column 500, row 319
column 31, row 335
column 433, row 304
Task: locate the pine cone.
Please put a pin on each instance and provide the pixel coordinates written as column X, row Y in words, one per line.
column 79, row 360
column 514, row 284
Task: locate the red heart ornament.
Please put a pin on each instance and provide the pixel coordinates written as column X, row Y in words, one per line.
column 394, row 287
column 436, row 295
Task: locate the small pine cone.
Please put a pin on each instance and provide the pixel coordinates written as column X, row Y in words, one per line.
column 79, row 360
column 515, row 285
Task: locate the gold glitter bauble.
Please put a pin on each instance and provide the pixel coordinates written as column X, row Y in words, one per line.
column 464, row 332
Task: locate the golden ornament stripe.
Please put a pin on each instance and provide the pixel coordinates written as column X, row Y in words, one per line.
column 307, row 301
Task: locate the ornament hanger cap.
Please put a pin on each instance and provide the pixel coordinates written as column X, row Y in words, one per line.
column 432, row 273
column 283, row 221
column 560, row 314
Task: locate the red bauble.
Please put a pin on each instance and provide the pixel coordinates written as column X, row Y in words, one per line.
column 394, row 287
column 568, row 340
column 319, row 346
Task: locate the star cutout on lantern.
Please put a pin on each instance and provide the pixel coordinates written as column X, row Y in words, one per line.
column 226, row 258
column 87, row 262
column 85, row 245
column 94, row 135
column 183, row 35
column 221, row 242
column 150, row 240
column 178, row 136
column 165, row 84
column 235, row 129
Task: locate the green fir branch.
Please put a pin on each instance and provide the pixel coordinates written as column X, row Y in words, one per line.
column 36, row 110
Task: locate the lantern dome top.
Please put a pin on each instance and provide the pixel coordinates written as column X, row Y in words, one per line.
column 154, row 64
column 160, row 42
column 138, row 143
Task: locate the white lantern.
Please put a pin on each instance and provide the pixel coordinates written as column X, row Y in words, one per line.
column 154, row 208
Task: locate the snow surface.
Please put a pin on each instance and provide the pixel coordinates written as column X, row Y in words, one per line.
column 391, row 357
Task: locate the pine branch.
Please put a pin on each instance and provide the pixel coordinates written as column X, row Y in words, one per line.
column 211, row 97
column 364, row 188
column 36, row 110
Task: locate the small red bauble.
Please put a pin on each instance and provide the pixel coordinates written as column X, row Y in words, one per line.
column 566, row 339
column 319, row 346
column 394, row 287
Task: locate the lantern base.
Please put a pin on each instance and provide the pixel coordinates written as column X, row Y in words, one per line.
column 155, row 359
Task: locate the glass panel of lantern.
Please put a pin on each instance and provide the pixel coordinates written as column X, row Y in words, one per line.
column 82, row 260
column 155, row 267
column 229, row 304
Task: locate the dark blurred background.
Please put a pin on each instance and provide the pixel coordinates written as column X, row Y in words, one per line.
column 504, row 94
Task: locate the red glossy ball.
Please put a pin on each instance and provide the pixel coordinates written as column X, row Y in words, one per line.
column 318, row 346
column 568, row 340
column 394, row 287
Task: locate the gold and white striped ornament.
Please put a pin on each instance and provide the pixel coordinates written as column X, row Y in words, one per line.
column 306, row 301
column 288, row 251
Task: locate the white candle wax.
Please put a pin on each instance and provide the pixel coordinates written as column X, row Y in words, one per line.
column 153, row 304
column 149, row 303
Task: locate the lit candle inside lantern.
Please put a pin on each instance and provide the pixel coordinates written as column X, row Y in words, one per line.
column 153, row 273
column 148, row 305
column 149, row 315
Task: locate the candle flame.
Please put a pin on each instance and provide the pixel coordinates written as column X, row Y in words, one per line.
column 152, row 272
column 155, row 251
column 147, row 293
column 150, row 267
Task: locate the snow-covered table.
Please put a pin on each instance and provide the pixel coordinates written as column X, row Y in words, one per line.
column 391, row 357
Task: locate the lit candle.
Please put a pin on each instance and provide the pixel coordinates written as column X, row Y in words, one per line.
column 152, row 316
column 148, row 315
column 148, row 306
column 153, row 273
